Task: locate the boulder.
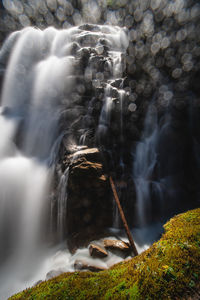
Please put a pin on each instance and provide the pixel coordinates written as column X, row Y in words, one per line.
column 90, row 154
column 53, row 273
column 117, row 245
column 97, row 251
column 89, row 204
column 82, row 265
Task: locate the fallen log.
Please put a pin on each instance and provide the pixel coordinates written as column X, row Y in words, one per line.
column 135, row 252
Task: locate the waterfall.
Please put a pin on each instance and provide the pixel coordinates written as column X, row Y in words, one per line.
column 160, row 171
column 62, row 204
column 104, row 121
column 122, row 89
column 132, row 91
column 40, row 86
column 144, row 164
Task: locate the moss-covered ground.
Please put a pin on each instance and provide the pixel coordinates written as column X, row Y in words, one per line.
column 169, row 269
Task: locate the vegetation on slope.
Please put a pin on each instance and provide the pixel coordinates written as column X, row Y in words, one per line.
column 170, row 269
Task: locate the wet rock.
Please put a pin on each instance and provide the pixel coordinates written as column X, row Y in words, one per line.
column 72, row 148
column 89, row 204
column 89, row 27
column 117, row 83
column 82, row 265
column 90, row 154
column 86, row 236
column 38, row 282
column 97, row 251
column 116, row 245
column 53, row 273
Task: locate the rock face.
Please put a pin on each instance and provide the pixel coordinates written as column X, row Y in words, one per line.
column 89, row 205
column 97, row 251
column 91, row 155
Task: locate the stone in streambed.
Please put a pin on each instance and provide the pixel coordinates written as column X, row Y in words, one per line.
column 116, row 245
column 53, row 273
column 97, row 251
column 82, row 265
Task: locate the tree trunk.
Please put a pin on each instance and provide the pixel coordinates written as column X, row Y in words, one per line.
column 123, row 217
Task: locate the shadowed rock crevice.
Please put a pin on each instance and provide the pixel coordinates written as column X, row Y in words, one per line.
column 89, row 200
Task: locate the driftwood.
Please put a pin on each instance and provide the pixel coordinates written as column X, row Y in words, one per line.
column 123, row 217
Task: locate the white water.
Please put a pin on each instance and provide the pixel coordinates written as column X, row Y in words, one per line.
column 104, row 120
column 38, row 81
column 144, row 163
column 148, row 183
column 62, row 204
column 58, row 260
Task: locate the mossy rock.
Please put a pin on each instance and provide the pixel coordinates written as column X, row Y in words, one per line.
column 169, row 269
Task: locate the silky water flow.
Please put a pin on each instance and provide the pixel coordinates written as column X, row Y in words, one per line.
column 40, row 68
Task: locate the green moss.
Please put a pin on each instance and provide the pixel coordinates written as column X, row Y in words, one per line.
column 133, row 292
column 167, row 270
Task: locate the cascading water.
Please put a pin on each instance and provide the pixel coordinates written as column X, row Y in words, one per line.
column 62, row 204
column 145, row 160
column 145, row 164
column 104, row 121
column 77, row 85
column 158, row 168
column 38, row 86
